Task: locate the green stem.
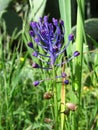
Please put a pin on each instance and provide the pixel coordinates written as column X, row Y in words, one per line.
column 55, row 99
column 62, row 105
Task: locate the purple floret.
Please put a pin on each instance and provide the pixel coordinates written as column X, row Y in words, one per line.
column 35, row 83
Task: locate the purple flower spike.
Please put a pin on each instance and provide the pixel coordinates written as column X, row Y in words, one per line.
column 76, row 53
column 35, row 83
column 66, row 82
column 49, row 37
column 70, row 37
column 35, row 65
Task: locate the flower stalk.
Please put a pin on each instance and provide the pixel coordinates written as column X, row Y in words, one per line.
column 55, row 99
column 62, row 100
column 49, row 37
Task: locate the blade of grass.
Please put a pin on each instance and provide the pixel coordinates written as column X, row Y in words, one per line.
column 79, row 45
column 65, row 11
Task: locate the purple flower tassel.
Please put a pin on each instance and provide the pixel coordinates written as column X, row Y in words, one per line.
column 49, row 36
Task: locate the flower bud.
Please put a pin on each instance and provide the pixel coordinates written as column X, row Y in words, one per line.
column 35, row 83
column 35, row 54
column 33, row 24
column 66, row 112
column 66, row 82
column 64, row 75
column 71, row 106
column 55, row 48
column 35, row 65
column 61, row 22
column 47, row 120
column 48, row 95
column 70, row 37
column 36, row 39
column 45, row 18
column 30, row 44
column 76, row 53
column 55, row 21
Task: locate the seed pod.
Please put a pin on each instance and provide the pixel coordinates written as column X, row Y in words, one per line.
column 48, row 95
column 71, row 106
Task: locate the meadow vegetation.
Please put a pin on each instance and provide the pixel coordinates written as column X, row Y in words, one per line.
column 59, row 103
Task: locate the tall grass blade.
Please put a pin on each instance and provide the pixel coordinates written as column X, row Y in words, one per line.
column 79, row 44
column 65, row 11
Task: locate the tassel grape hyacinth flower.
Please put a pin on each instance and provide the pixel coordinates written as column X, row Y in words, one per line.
column 49, row 36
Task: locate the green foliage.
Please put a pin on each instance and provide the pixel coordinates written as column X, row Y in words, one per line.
column 22, row 106
column 4, row 4
column 11, row 25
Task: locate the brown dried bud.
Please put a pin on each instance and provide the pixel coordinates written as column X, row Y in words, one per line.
column 48, row 95
column 66, row 112
column 71, row 106
column 47, row 120
column 53, row 127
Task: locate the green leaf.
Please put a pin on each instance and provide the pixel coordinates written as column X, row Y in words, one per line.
column 12, row 21
column 93, row 41
column 4, row 4
column 37, row 9
column 91, row 29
